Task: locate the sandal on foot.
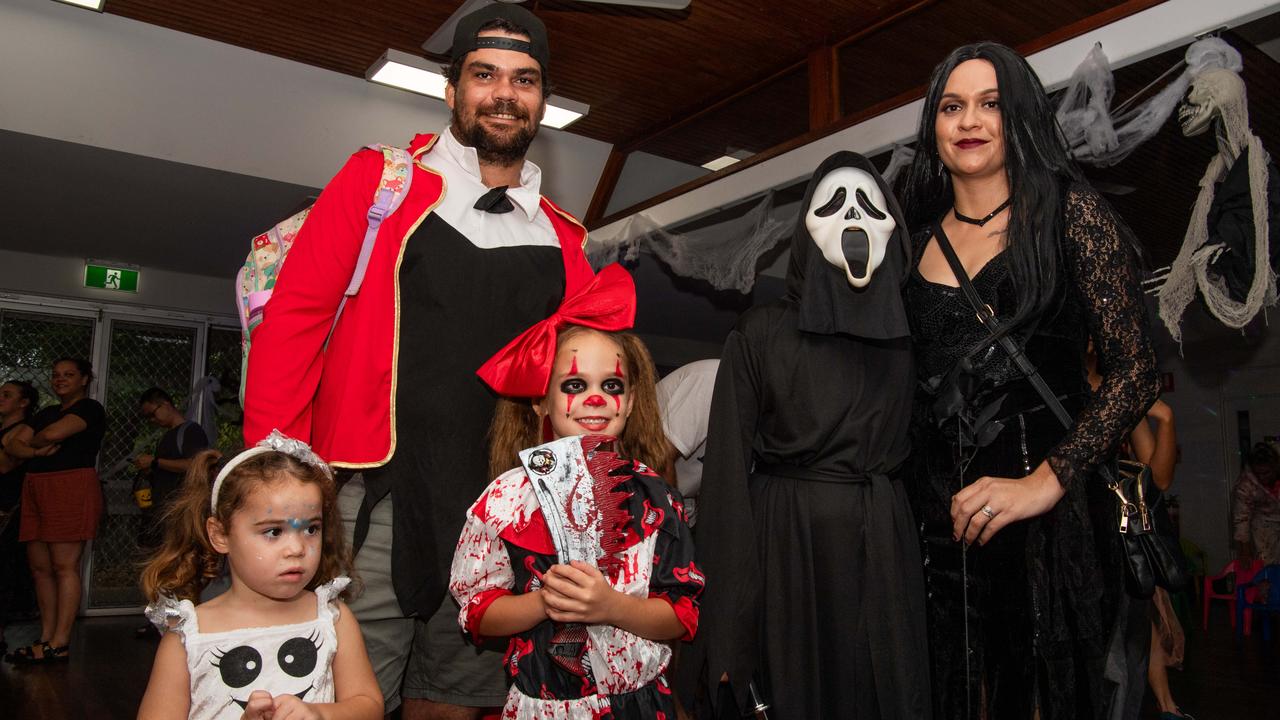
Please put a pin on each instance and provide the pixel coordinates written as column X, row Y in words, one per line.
column 22, row 654
column 48, row 654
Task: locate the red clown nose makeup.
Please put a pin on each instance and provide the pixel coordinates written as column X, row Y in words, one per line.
column 587, row 371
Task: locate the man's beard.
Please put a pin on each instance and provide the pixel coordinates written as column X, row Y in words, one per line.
column 492, row 148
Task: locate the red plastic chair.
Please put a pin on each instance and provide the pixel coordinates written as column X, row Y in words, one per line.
column 1237, row 577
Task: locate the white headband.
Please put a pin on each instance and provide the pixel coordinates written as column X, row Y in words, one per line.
column 275, row 442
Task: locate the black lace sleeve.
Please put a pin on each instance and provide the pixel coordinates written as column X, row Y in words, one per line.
column 1102, row 268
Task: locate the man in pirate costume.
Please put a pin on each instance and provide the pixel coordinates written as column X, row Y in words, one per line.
column 816, row 605
column 472, row 257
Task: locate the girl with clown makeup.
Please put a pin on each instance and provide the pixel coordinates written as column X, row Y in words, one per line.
column 580, row 553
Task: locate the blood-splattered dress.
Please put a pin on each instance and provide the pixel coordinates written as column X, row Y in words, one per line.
column 644, row 550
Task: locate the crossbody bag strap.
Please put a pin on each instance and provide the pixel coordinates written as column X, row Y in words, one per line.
column 992, row 323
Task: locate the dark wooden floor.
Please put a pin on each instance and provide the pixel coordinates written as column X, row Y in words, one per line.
column 1224, row 678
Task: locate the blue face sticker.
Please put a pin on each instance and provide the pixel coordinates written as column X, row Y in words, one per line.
column 297, row 523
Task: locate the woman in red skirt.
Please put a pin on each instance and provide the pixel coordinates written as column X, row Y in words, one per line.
column 61, row 503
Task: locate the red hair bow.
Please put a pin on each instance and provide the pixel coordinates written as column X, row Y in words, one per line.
column 523, row 367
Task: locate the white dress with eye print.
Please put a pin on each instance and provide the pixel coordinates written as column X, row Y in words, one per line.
column 225, row 667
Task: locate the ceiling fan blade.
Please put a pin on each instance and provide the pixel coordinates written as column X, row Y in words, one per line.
column 659, row 4
column 441, row 41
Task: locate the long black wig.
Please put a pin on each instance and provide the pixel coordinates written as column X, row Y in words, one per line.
column 1038, row 166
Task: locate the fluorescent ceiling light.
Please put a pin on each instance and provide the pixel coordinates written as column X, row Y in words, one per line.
column 91, row 4
column 725, row 161
column 720, row 163
column 562, row 111
column 415, row 74
column 407, row 72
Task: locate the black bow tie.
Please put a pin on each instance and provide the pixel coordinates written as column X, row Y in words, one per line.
column 495, row 201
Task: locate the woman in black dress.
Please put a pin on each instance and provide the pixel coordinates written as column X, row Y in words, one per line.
column 1015, row 527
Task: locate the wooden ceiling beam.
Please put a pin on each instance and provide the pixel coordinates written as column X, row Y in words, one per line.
column 824, row 87
column 1089, row 24
column 605, row 186
column 704, row 107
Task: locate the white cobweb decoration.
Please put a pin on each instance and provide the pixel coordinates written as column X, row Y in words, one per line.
column 1102, row 136
column 725, row 254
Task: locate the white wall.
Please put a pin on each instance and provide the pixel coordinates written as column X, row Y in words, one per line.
column 103, row 80
column 646, row 175
column 63, row 277
column 1218, row 372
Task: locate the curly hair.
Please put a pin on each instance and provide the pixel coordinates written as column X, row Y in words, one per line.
column 516, row 426
column 187, row 562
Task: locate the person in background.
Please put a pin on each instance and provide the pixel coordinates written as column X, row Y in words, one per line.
column 1256, row 507
column 181, row 441
column 61, row 502
column 684, row 396
column 165, row 468
column 18, row 402
column 1156, row 445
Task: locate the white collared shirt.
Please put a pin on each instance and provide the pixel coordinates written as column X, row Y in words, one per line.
column 527, row 224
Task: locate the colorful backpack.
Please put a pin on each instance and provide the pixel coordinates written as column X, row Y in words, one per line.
column 257, row 279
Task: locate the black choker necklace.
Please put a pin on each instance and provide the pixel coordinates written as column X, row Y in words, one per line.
column 987, row 218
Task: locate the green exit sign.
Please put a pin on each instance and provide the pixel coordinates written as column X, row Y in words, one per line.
column 109, row 278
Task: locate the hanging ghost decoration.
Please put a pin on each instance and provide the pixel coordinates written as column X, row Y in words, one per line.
column 1226, row 253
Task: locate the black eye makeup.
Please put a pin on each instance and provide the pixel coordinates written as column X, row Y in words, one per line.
column 613, row 386
column 573, row 386
column 833, row 205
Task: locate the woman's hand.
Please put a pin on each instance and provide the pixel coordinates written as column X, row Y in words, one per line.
column 578, row 592
column 982, row 509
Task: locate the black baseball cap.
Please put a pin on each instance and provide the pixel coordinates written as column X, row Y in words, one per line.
column 465, row 36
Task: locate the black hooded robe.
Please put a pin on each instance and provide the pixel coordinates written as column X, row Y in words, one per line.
column 815, row 589
column 1230, row 224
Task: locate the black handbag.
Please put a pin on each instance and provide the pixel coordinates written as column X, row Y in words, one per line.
column 1152, row 557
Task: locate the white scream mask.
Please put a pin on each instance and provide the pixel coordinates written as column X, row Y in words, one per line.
column 849, row 221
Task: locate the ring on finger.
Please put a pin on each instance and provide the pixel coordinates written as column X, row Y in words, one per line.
column 986, row 510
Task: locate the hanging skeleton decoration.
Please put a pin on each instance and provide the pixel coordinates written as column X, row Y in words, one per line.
column 1226, row 252
column 848, row 222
